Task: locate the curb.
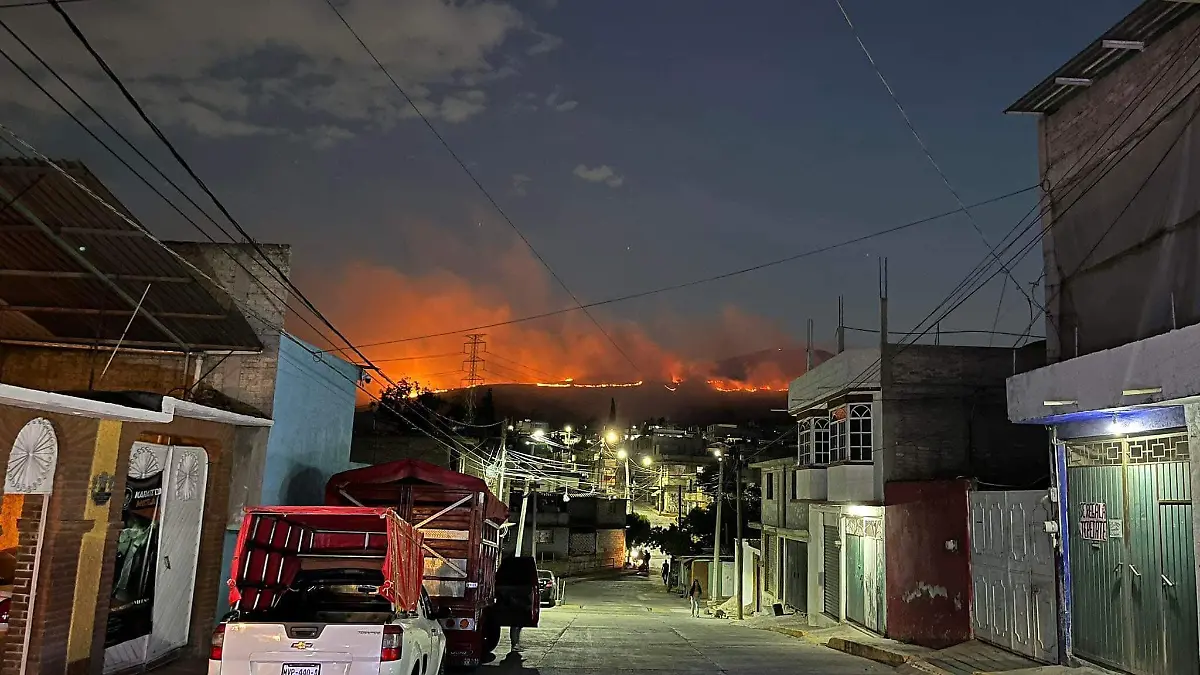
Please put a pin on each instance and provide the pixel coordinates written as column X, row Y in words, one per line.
column 790, row 632
column 866, row 651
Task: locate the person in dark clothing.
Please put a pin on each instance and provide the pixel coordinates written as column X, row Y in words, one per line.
column 666, row 571
column 694, row 594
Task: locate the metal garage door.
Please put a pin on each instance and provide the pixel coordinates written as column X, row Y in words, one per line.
column 795, row 592
column 1012, row 572
column 1133, row 573
column 833, row 573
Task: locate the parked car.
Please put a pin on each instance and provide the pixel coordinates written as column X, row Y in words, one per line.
column 547, row 588
column 328, row 591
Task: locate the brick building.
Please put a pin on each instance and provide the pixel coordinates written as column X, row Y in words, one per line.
column 68, row 504
column 92, row 308
column 926, row 413
column 1116, row 141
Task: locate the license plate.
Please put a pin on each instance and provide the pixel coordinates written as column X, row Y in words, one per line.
column 301, row 669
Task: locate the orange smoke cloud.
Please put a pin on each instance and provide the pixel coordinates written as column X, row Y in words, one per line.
column 375, row 303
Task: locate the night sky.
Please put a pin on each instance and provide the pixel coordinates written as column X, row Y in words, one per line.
column 636, row 144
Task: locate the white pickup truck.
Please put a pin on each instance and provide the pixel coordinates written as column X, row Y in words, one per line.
column 317, row 595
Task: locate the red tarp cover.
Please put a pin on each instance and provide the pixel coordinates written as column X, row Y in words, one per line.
column 412, row 471
column 273, row 539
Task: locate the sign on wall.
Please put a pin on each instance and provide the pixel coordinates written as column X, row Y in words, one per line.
column 1093, row 521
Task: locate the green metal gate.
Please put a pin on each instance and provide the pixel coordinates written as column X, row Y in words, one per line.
column 833, row 572
column 1133, row 578
column 856, row 581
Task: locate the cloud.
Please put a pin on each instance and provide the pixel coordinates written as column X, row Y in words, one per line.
column 553, row 102
column 519, row 180
column 230, row 68
column 600, row 174
column 546, row 43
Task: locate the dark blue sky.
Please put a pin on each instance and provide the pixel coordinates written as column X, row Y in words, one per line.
column 740, row 132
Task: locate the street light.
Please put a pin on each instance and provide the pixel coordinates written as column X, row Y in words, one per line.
column 611, row 437
column 621, row 454
column 538, row 433
column 647, row 461
column 567, row 428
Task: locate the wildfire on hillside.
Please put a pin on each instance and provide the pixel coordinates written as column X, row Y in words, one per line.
column 381, row 304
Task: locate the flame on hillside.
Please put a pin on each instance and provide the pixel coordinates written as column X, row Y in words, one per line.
column 375, row 303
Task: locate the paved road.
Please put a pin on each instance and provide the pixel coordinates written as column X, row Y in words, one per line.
column 630, row 625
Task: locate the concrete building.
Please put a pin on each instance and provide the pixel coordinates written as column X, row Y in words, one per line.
column 1117, row 138
column 922, row 413
column 582, row 534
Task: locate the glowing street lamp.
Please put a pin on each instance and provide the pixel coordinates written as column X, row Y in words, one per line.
column 538, row 433
column 621, row 454
column 647, row 461
column 567, row 428
column 611, row 437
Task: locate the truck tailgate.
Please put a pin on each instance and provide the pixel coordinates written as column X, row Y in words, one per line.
column 301, row 649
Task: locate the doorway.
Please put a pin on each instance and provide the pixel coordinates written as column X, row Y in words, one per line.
column 155, row 572
column 28, row 484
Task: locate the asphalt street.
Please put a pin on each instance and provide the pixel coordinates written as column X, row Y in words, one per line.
column 630, row 625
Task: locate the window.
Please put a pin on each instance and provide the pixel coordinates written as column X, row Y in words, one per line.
column 837, row 434
column 820, row 441
column 859, row 436
column 545, row 536
column 795, row 482
column 769, row 486
column 804, row 441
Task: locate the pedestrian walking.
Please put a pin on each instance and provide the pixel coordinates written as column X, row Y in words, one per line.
column 666, row 571
column 694, row 594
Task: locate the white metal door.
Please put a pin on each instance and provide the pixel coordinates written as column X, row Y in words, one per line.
column 1012, row 569
column 178, row 549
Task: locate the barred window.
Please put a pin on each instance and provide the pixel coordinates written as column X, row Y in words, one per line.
column 820, row 441
column 769, row 486
column 859, row 428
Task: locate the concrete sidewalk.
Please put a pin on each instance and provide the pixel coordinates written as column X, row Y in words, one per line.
column 968, row 658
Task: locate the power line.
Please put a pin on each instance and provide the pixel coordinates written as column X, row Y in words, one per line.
column 204, row 275
column 487, row 195
column 925, row 148
column 116, row 80
column 1110, row 164
column 705, row 280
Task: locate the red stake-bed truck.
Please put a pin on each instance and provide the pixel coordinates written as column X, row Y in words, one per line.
column 461, row 522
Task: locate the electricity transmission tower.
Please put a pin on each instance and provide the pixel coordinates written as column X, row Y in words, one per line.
column 472, row 366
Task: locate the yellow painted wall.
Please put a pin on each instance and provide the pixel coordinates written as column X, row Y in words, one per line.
column 91, row 550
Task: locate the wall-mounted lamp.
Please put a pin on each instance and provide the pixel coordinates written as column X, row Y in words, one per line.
column 102, row 488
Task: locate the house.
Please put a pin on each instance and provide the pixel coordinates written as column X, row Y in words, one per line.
column 90, row 478
column 882, row 436
column 93, row 308
column 1116, row 128
column 568, row 535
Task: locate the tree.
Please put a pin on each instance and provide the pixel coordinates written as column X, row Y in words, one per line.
column 638, row 531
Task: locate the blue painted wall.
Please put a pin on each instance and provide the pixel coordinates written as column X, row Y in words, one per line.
column 310, row 440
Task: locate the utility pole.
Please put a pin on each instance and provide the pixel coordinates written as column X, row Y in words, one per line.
column 533, row 539
column 679, row 505
column 521, row 524
column 471, row 366
column 503, row 462
column 715, row 585
column 737, row 456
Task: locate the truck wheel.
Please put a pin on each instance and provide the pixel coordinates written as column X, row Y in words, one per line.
column 491, row 634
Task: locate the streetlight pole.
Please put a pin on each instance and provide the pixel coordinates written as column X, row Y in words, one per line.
column 503, row 462
column 737, row 457
column 521, row 524
column 715, row 586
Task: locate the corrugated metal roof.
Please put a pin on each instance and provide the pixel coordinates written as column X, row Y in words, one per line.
column 47, row 294
column 1145, row 24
